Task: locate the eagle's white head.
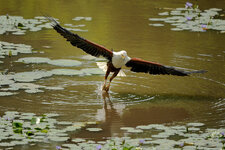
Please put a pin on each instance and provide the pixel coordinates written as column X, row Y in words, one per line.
column 120, row 58
column 123, row 54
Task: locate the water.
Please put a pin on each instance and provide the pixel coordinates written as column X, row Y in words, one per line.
column 138, row 99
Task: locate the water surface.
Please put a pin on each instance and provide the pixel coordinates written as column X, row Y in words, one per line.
column 138, row 99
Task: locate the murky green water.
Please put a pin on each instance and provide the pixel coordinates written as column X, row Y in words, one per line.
column 138, row 99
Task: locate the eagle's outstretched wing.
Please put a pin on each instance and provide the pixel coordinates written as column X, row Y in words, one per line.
column 139, row 65
column 86, row 45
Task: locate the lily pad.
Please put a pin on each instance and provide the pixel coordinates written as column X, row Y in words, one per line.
column 57, row 62
column 50, row 115
column 82, row 18
column 24, row 86
column 64, row 123
column 94, row 129
column 71, row 146
column 71, row 25
column 176, row 29
column 54, row 88
column 7, row 93
column 70, row 72
column 71, row 128
column 126, row 128
column 78, row 140
column 58, row 139
column 31, row 76
column 164, row 13
column 37, row 60
column 157, row 25
column 94, row 71
column 19, row 142
column 65, row 62
column 33, row 91
column 5, row 144
column 195, row 124
column 6, row 79
column 17, row 25
column 135, row 131
column 144, row 127
column 194, row 20
column 11, row 49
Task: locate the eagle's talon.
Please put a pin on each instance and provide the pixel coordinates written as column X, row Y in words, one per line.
column 107, row 88
column 103, row 87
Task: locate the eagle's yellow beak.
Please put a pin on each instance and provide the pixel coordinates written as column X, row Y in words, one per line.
column 123, row 56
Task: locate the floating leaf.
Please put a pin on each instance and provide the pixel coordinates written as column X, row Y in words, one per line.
column 18, row 130
column 39, row 129
column 31, row 76
column 20, row 25
column 10, row 53
column 78, row 140
column 94, row 129
column 29, row 133
column 58, row 139
column 37, row 60
column 44, row 131
column 94, row 71
column 33, row 121
column 65, row 62
column 69, row 72
column 5, row 144
column 17, row 125
column 192, row 18
column 16, row 24
column 195, row 124
column 6, row 93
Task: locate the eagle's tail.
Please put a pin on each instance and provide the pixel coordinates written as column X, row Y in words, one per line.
column 103, row 66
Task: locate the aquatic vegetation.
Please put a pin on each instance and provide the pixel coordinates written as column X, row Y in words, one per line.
column 78, row 140
column 58, row 147
column 93, row 71
column 20, row 81
column 70, row 72
column 196, row 136
column 131, row 130
column 24, row 128
column 18, row 25
column 94, row 129
column 200, row 139
column 188, row 5
column 31, row 76
column 98, row 147
column 192, row 18
column 77, row 27
column 11, row 49
column 56, row 62
column 11, row 81
column 82, row 18
column 6, row 93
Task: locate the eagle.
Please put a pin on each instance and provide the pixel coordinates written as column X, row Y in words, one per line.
column 116, row 60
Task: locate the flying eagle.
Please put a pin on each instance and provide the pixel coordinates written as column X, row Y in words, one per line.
column 116, row 60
